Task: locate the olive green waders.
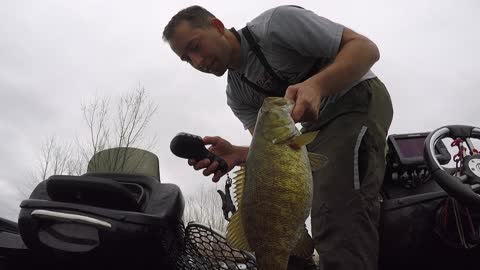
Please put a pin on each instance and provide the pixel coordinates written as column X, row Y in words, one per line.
column 346, row 202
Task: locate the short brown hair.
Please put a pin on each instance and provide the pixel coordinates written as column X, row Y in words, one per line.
column 197, row 16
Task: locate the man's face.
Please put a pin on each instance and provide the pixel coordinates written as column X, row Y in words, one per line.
column 206, row 49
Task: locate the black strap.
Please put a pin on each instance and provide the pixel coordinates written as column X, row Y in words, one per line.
column 261, row 90
column 235, row 33
column 256, row 49
column 258, row 52
column 281, row 84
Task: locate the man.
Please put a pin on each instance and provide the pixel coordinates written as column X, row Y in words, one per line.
column 325, row 68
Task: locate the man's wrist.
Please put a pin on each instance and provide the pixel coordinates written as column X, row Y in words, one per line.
column 242, row 153
column 321, row 83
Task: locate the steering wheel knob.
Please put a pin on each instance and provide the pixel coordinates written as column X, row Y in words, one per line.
column 473, row 166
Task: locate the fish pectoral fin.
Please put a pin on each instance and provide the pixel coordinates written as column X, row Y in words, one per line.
column 317, row 161
column 305, row 245
column 304, row 139
column 236, row 237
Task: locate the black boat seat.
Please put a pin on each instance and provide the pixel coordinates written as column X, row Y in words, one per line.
column 99, row 193
column 95, row 191
column 118, row 208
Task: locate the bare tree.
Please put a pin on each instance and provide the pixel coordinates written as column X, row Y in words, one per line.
column 134, row 114
column 95, row 115
column 125, row 128
column 205, row 207
column 122, row 127
column 55, row 158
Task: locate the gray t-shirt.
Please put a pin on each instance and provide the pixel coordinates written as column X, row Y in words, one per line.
column 293, row 40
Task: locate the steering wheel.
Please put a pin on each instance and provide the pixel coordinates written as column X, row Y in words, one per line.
column 459, row 187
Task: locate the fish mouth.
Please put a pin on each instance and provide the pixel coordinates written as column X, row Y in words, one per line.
column 276, row 121
column 271, row 102
column 279, row 105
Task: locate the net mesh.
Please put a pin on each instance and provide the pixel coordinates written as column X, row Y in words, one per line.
column 207, row 249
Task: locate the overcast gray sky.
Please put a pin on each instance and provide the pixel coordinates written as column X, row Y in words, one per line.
column 54, row 55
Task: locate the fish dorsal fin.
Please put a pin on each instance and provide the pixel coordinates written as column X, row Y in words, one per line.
column 235, row 232
column 305, row 245
column 304, row 139
column 239, row 182
column 317, row 161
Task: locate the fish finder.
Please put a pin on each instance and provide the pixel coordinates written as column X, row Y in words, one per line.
column 408, row 149
column 405, row 160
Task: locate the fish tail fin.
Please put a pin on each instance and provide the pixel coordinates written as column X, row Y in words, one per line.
column 236, row 237
column 305, row 245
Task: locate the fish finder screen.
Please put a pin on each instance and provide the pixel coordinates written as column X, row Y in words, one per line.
column 408, row 148
column 411, row 147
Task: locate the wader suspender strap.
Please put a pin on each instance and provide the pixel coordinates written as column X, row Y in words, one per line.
column 280, row 91
column 258, row 53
